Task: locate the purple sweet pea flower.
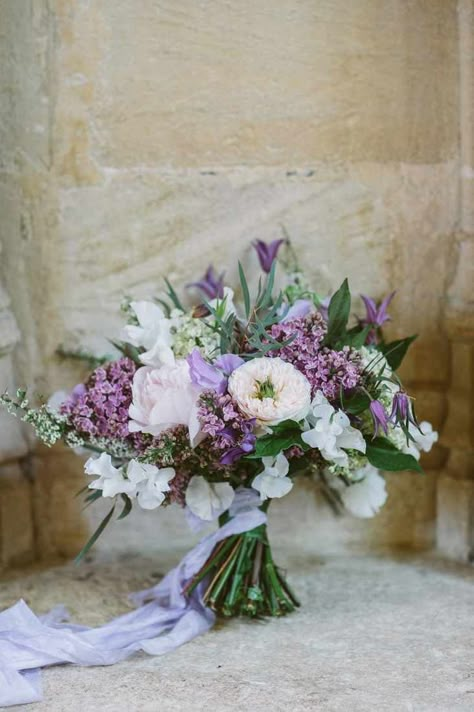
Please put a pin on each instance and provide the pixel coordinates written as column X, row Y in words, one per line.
column 267, row 253
column 379, row 417
column 298, row 310
column 204, row 374
column 212, row 376
column 211, row 284
column 227, row 363
column 375, row 316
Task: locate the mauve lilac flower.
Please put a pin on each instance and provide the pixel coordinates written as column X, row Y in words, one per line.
column 99, row 408
column 232, row 434
column 298, row 310
column 267, row 253
column 211, row 284
column 375, row 316
column 379, row 417
column 327, row 370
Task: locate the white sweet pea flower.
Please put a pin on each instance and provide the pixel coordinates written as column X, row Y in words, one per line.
column 111, row 480
column 366, row 496
column 208, row 500
column 273, row 481
column 152, row 333
column 422, row 441
column 152, row 483
column 332, row 432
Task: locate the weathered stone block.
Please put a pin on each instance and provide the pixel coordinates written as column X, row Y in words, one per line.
column 256, row 84
column 455, row 523
column 17, row 543
column 58, row 477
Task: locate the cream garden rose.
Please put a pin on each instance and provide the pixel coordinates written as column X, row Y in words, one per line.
column 270, row 390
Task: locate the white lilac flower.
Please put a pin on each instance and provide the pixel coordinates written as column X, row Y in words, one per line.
column 270, row 390
column 364, row 497
column 208, row 500
column 189, row 333
column 153, row 333
column 331, row 433
column 374, row 362
column 110, row 479
column 273, row 481
column 162, row 398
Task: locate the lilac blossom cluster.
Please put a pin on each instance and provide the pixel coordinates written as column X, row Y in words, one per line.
column 99, row 408
column 326, row 369
column 230, row 432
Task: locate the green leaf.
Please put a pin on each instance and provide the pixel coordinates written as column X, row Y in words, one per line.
column 356, row 337
column 381, row 453
column 173, row 296
column 266, row 298
column 245, row 291
column 395, row 351
column 338, row 314
column 284, row 436
column 356, row 403
column 95, row 536
column 127, row 508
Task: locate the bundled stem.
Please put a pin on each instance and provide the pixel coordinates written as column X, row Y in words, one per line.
column 241, row 578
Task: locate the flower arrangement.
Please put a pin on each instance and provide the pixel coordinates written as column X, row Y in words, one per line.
column 218, row 407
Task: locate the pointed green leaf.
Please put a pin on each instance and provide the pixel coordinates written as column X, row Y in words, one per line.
column 245, row 291
column 95, row 536
column 395, row 351
column 381, row 453
column 338, row 314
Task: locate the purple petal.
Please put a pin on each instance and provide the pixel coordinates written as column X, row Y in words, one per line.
column 371, row 309
column 211, row 284
column 379, row 417
column 298, row 310
column 381, row 315
column 267, row 253
column 227, row 363
column 203, row 374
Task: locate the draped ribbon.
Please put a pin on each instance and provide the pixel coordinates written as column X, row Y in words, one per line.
column 166, row 621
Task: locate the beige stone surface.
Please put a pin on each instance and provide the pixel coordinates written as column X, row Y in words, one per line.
column 373, row 633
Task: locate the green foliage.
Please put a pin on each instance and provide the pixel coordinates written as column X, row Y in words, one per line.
column 381, row 453
column 338, row 315
column 395, row 351
column 283, row 436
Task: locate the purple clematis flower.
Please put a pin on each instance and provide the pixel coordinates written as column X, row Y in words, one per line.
column 212, row 376
column 379, row 417
column 267, row 253
column 401, row 411
column 375, row 316
column 211, row 284
column 246, row 445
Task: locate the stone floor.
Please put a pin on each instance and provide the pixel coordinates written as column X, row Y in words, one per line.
column 380, row 632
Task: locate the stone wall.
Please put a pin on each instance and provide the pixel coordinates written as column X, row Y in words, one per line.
column 143, row 138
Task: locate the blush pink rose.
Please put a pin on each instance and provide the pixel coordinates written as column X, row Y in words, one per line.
column 163, row 398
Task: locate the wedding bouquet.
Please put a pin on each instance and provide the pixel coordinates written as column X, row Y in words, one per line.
column 217, row 407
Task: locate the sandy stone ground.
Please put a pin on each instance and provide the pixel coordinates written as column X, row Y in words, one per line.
column 383, row 632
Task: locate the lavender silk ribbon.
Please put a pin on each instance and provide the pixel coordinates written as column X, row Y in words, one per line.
column 168, row 620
